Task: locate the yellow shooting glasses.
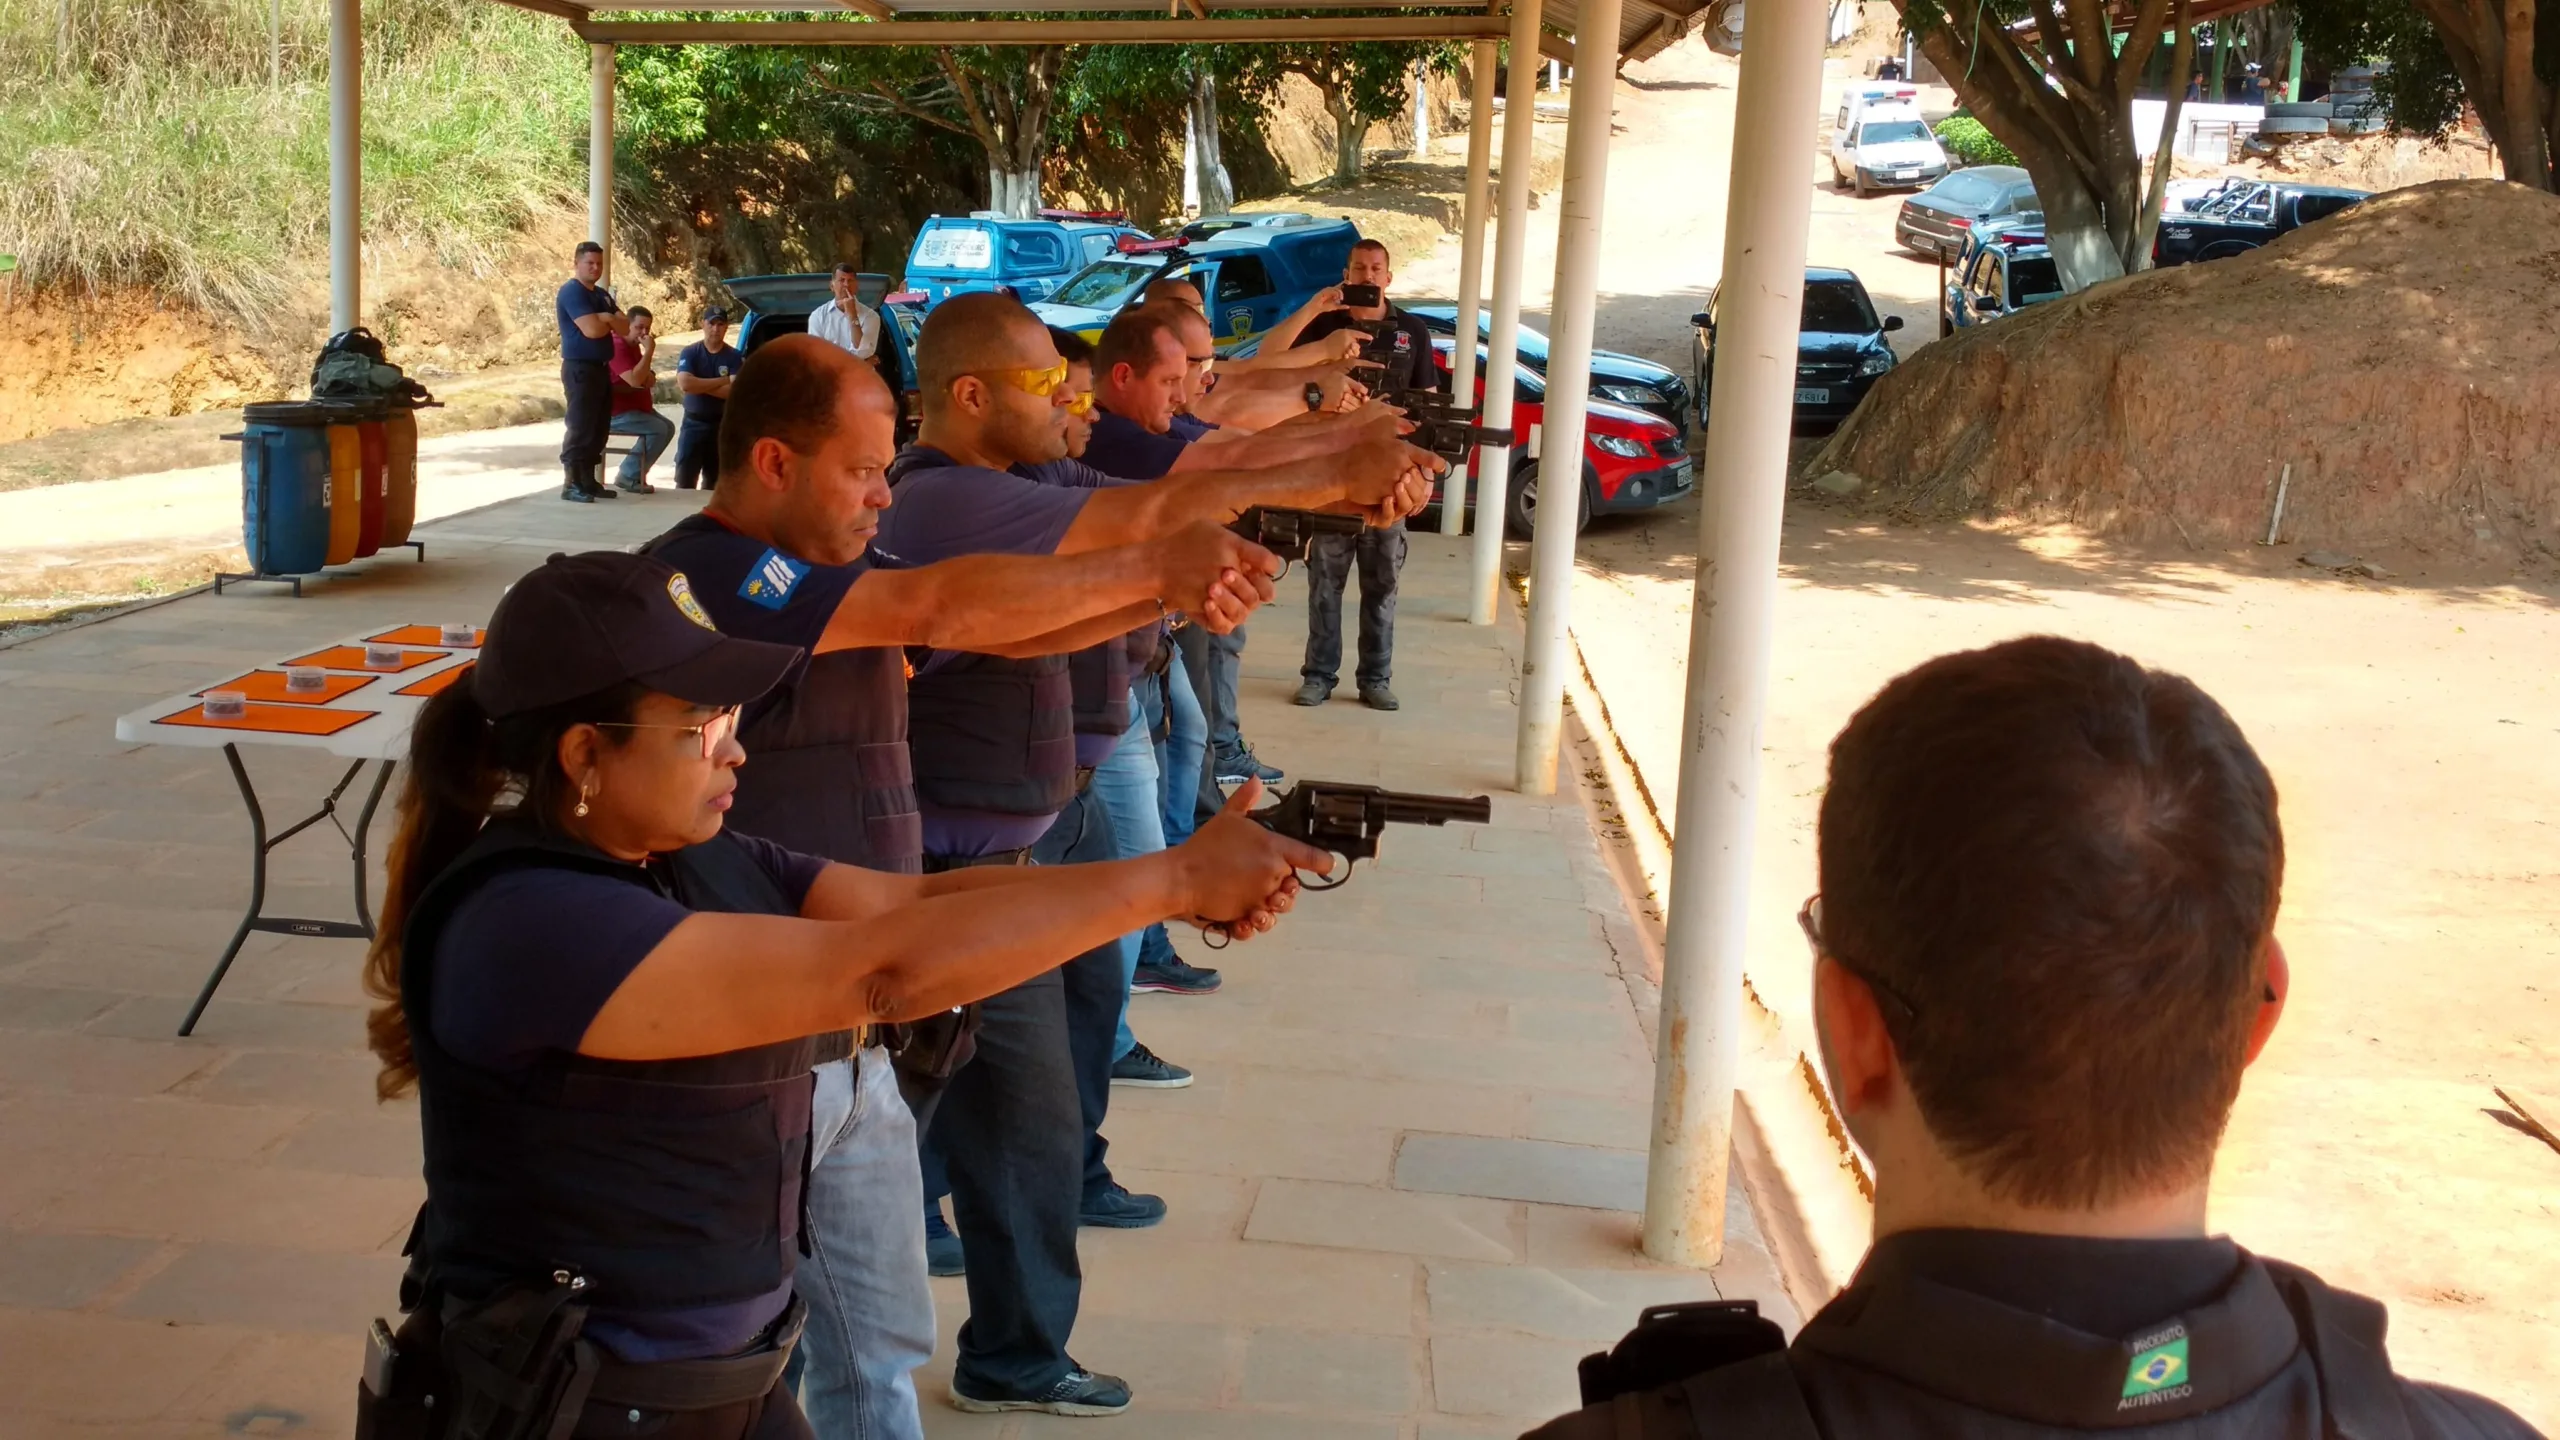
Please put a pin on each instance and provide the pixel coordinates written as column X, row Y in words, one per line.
column 1042, row 382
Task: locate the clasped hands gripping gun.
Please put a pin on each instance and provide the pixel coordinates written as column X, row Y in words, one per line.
column 1445, row 429
column 1347, row 820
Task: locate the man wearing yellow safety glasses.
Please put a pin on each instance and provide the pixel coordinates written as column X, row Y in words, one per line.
column 992, row 744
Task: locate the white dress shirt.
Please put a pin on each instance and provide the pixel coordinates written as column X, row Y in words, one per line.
column 857, row 331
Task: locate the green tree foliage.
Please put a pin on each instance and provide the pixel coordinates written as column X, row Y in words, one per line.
column 1362, row 84
column 2443, row 54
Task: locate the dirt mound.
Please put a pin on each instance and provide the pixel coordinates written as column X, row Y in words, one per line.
column 2402, row 358
column 2375, row 162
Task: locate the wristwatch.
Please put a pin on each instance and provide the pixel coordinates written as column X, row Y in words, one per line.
column 1315, row 396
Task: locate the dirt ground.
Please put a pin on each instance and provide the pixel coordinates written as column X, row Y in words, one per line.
column 2410, row 730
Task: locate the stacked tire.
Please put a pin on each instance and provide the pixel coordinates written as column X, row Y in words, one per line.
column 2295, row 118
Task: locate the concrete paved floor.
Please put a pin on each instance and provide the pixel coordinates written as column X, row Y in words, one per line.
column 1399, row 1187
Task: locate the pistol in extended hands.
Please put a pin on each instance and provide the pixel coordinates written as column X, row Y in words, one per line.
column 1348, row 819
column 1446, row 429
column 1285, row 533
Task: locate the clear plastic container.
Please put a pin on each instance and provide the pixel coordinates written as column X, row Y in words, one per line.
column 459, row 634
column 305, row 678
column 383, row 657
column 225, row 704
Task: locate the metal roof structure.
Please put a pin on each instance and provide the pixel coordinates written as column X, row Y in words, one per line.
column 1646, row 27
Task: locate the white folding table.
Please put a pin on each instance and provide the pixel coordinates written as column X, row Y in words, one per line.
column 362, row 715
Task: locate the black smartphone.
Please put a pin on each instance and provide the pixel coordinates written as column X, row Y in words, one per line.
column 1362, row 297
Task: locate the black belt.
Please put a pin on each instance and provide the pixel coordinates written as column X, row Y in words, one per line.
column 937, row 864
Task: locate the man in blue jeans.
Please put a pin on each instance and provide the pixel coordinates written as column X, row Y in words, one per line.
column 635, row 404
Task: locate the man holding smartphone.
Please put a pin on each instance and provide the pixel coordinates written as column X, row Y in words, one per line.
column 1400, row 345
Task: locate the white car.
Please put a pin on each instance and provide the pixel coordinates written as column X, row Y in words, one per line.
column 1887, row 147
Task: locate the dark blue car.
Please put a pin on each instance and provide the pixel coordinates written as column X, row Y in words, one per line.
column 1840, row 348
column 1619, row 379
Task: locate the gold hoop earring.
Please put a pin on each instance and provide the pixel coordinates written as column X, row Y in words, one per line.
column 582, row 798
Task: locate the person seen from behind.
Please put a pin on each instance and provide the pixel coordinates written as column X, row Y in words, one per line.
column 2044, row 954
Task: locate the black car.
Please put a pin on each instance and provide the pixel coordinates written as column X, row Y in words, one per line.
column 779, row 305
column 1840, row 348
column 2245, row 216
column 1616, row 378
column 1937, row 221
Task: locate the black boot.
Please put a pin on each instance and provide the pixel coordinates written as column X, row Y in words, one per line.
column 596, row 488
column 573, row 485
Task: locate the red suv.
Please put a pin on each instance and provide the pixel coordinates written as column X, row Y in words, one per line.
column 1631, row 459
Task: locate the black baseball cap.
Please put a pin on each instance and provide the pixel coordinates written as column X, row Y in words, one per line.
column 585, row 623
column 716, row 315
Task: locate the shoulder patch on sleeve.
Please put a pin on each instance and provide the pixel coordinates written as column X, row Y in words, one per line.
column 771, row 579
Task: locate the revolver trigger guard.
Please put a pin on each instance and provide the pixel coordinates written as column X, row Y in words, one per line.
column 1336, row 883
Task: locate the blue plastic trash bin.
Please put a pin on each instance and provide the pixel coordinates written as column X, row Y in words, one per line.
column 284, row 486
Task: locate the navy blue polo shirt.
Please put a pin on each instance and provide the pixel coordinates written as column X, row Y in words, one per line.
column 752, row 589
column 1130, row 450
column 945, row 510
column 580, row 298
column 1189, row 427
column 701, row 364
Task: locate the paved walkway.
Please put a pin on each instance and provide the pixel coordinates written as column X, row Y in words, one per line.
column 1399, row 1189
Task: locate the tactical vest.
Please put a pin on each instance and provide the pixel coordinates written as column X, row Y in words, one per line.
column 1101, row 674
column 665, row 1184
column 985, row 732
column 827, row 771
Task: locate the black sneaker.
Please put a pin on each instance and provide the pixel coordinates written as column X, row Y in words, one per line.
column 942, row 1253
column 1147, row 1070
column 1312, row 692
column 1118, row 1209
column 1078, row 1392
column 576, row 495
column 1173, row 978
column 1241, row 765
column 1378, row 697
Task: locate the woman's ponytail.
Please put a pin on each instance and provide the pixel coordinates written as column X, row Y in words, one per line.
column 454, row 778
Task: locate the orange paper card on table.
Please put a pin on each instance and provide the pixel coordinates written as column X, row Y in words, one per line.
column 425, row 635
column 351, row 657
column 269, row 685
column 274, row 719
column 435, row 684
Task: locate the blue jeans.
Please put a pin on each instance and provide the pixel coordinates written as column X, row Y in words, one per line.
column 870, row 1312
column 653, row 431
column 1133, row 796
column 1226, row 662
column 1179, row 760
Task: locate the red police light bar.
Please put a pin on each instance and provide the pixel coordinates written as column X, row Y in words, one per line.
column 1107, row 215
column 2024, row 237
column 1132, row 245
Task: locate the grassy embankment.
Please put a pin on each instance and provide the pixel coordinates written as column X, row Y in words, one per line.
column 150, row 145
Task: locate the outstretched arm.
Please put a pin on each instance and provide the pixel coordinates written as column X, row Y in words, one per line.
column 1382, row 479
column 994, row 604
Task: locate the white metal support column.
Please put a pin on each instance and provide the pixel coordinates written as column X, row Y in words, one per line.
column 1569, row 338
column 1502, row 346
column 1453, row 491
column 1766, row 216
column 346, row 164
column 600, row 151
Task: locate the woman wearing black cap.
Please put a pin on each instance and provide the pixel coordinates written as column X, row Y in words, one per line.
column 607, row 1005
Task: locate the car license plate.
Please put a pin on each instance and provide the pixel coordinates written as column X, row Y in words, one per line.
column 1813, row 397
column 1906, row 174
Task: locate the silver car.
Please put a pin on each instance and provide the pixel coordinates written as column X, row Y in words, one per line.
column 1936, row 221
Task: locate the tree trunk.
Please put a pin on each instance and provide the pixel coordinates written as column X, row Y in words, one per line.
column 2182, row 64
column 1205, row 164
column 1348, row 131
column 2491, row 47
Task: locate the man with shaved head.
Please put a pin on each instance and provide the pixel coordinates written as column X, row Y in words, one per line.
column 997, row 782
column 780, row 555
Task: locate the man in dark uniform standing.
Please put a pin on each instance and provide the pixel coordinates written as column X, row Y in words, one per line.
column 993, row 745
column 778, row 555
column 2044, row 952
column 704, row 372
column 589, row 321
column 1400, row 345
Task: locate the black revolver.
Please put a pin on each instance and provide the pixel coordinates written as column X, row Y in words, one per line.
column 1348, row 819
column 1445, row 429
column 1285, row 533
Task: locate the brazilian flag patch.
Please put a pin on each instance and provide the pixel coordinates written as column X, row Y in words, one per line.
column 2159, row 1370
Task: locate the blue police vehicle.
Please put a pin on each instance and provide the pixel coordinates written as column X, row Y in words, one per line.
column 1252, row 275
column 1029, row 259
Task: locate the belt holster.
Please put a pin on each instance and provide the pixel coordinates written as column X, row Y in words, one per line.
column 517, row 1365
